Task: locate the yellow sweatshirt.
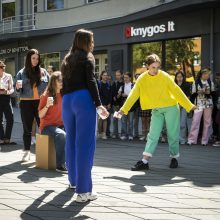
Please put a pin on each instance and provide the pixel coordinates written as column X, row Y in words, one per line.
column 158, row 91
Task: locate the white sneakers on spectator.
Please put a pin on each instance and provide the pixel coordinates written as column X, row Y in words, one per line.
column 104, row 137
column 86, row 197
column 130, row 138
column 26, row 156
column 123, row 138
column 142, row 138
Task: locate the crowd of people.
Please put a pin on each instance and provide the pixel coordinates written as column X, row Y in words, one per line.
column 64, row 105
column 201, row 124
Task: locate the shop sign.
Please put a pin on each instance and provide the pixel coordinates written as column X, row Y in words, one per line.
column 149, row 31
column 14, row 50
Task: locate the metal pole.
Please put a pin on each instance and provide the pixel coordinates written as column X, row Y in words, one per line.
column 212, row 40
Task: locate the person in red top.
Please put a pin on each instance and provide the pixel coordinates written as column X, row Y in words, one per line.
column 51, row 118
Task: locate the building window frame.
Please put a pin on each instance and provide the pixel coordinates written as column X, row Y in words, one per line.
column 46, row 62
column 7, row 2
column 55, row 9
column 92, row 2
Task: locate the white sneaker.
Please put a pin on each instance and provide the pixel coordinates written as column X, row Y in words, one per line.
column 72, row 186
column 26, row 156
column 142, row 138
column 104, row 137
column 85, row 197
column 123, row 138
column 130, row 138
column 33, row 140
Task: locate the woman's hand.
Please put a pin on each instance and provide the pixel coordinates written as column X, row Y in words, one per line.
column 3, row 92
column 124, row 95
column 18, row 85
column 194, row 108
column 118, row 114
column 102, row 111
column 49, row 102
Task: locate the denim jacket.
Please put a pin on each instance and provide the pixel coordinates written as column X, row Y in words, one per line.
column 27, row 91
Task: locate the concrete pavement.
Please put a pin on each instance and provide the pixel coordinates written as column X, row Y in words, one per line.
column 190, row 192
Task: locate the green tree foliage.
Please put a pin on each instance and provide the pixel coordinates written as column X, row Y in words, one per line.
column 180, row 54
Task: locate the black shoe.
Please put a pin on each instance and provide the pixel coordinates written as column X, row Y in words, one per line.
column 62, row 169
column 140, row 165
column 174, row 163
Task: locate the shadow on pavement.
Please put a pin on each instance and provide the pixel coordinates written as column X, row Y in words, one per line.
column 31, row 173
column 55, row 208
column 160, row 177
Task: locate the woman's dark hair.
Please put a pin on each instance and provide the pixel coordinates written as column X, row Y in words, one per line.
column 102, row 73
column 119, row 71
column 78, row 52
column 33, row 73
column 180, row 73
column 203, row 71
column 152, row 59
column 52, row 85
column 128, row 74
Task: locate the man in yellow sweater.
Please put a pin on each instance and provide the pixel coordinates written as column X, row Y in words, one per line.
column 157, row 91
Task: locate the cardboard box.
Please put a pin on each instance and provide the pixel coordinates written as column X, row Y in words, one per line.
column 45, row 152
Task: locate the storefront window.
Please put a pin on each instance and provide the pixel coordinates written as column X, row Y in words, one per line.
column 50, row 59
column 180, row 54
column 54, row 4
column 8, row 8
column 101, row 63
column 184, row 55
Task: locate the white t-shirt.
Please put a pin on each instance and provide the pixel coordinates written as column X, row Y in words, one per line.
column 127, row 88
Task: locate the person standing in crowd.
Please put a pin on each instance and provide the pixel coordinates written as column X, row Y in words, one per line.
column 157, row 91
column 6, row 89
column 50, row 70
column 51, row 118
column 145, row 119
column 116, row 100
column 80, row 101
column 127, row 120
column 109, row 119
column 217, row 105
column 31, row 81
column 106, row 99
column 185, row 118
column 202, row 95
column 136, row 113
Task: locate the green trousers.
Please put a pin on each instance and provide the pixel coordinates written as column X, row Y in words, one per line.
column 171, row 116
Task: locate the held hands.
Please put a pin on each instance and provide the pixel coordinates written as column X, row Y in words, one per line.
column 118, row 114
column 194, row 108
column 3, row 92
column 18, row 85
column 102, row 112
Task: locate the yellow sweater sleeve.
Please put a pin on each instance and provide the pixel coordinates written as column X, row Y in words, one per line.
column 179, row 95
column 132, row 98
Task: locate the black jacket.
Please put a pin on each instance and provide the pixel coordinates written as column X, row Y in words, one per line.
column 82, row 75
column 115, row 87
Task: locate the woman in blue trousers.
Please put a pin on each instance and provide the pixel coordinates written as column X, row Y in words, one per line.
column 80, row 101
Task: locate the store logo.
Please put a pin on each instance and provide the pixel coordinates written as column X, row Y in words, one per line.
column 149, row 31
